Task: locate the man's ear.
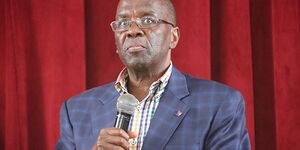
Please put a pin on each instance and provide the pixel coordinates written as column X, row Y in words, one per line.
column 175, row 35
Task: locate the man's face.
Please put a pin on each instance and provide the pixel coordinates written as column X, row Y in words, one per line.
column 137, row 47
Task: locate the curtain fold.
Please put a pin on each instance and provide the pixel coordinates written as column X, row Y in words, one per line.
column 231, row 53
column 262, row 50
column 286, row 62
column 43, row 60
column 52, row 50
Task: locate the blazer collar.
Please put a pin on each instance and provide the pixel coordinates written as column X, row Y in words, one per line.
column 108, row 94
column 177, row 84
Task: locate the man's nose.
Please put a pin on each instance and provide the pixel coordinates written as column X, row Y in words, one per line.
column 134, row 30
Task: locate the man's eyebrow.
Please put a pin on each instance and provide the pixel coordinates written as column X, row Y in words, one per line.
column 124, row 15
column 140, row 14
column 148, row 13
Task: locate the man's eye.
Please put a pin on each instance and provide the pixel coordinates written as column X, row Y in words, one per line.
column 148, row 21
column 123, row 23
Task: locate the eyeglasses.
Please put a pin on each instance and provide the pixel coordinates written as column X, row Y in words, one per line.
column 143, row 23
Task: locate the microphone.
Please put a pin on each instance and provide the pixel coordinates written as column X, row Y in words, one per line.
column 126, row 106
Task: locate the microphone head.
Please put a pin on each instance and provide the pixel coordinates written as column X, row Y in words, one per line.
column 127, row 103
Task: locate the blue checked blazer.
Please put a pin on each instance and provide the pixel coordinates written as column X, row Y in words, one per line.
column 212, row 118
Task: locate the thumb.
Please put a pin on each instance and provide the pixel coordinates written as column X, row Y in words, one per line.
column 132, row 135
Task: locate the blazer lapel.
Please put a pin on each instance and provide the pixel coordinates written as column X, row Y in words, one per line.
column 105, row 110
column 169, row 113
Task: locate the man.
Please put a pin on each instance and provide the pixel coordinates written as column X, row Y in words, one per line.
column 175, row 111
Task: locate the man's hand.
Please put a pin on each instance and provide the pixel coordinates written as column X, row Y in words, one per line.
column 113, row 139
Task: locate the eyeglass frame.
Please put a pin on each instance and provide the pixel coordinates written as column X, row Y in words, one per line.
column 159, row 21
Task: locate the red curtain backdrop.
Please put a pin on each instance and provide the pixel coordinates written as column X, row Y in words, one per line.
column 52, row 50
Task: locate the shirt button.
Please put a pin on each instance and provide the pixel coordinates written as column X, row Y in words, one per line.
column 132, row 141
column 138, row 107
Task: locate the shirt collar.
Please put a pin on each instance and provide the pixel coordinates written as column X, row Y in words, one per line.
column 122, row 79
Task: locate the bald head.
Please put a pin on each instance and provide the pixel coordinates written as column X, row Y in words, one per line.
column 165, row 6
column 170, row 11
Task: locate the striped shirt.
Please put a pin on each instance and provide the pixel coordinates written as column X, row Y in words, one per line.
column 145, row 110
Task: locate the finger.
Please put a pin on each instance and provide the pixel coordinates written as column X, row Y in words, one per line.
column 132, row 135
column 114, row 140
column 95, row 147
column 109, row 146
column 114, row 132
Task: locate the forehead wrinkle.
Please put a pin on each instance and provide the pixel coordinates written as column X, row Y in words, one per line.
column 140, row 8
column 138, row 14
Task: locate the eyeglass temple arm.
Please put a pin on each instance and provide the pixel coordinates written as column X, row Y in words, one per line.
column 163, row 21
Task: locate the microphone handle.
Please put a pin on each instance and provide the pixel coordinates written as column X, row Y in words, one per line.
column 122, row 120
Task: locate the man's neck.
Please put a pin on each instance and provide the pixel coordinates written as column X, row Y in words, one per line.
column 140, row 81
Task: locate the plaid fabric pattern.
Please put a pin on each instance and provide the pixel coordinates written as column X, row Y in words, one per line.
column 193, row 114
column 141, row 119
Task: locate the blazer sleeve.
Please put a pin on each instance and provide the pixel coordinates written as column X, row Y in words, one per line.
column 228, row 131
column 66, row 140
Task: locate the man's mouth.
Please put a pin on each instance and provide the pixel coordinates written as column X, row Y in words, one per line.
column 135, row 48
